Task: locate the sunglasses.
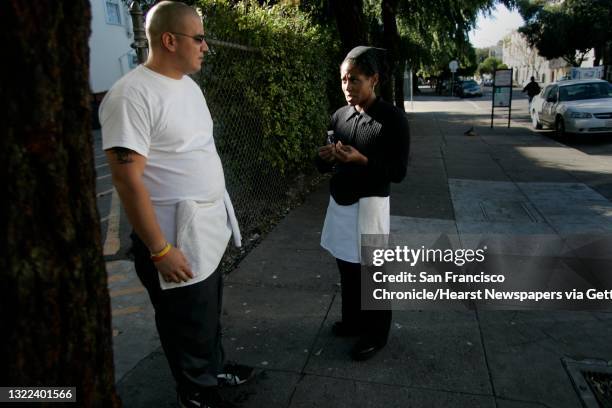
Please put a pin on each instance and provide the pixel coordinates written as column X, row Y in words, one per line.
column 198, row 38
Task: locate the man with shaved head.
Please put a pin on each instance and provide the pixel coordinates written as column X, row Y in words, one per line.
column 157, row 134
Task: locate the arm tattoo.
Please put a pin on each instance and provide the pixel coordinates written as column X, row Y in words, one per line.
column 123, row 155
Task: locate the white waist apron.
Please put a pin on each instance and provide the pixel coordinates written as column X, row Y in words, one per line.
column 202, row 231
column 344, row 225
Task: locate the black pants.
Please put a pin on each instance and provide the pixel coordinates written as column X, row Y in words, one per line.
column 187, row 320
column 373, row 324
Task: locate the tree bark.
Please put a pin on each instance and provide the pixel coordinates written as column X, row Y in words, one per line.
column 54, row 302
column 399, row 84
column 391, row 43
column 598, row 51
column 350, row 22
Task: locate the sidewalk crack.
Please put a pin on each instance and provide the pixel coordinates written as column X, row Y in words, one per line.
column 311, row 350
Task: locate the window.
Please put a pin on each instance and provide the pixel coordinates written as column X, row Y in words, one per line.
column 586, row 91
column 113, row 12
column 133, row 60
column 551, row 93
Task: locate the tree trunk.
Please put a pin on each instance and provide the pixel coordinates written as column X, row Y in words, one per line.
column 607, row 59
column 598, row 51
column 350, row 22
column 399, row 84
column 391, row 43
column 54, row 302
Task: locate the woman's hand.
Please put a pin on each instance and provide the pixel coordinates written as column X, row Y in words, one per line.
column 348, row 154
column 326, row 153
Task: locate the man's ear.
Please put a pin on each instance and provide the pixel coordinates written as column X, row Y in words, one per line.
column 168, row 41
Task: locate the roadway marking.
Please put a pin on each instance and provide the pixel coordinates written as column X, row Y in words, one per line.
column 474, row 105
column 116, row 278
column 127, row 291
column 126, row 310
column 99, row 166
column 112, row 242
column 105, row 192
column 103, row 177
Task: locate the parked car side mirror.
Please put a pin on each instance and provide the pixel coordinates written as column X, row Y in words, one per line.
column 551, row 99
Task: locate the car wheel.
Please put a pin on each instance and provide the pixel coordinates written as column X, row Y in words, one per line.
column 560, row 128
column 535, row 120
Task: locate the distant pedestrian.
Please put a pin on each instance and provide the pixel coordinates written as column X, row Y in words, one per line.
column 366, row 152
column 532, row 89
column 157, row 134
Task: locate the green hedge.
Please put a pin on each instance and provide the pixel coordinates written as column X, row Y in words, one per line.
column 287, row 84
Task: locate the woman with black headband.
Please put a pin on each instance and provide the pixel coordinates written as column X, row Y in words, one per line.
column 367, row 149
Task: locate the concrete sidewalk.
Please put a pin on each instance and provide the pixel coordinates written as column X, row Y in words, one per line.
column 282, row 299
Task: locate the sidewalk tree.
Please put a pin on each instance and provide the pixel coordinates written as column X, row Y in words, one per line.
column 417, row 33
column 350, row 21
column 553, row 28
column 393, row 90
column 489, row 65
column 429, row 33
column 482, row 54
column 54, row 301
column 439, row 29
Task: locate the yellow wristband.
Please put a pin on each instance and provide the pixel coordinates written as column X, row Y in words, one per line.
column 163, row 252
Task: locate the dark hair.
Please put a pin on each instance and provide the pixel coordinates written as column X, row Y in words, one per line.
column 368, row 60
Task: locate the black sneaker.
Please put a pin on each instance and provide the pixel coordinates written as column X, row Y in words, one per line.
column 189, row 400
column 365, row 348
column 235, row 374
column 207, row 398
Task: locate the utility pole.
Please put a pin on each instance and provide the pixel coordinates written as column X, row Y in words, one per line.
column 140, row 43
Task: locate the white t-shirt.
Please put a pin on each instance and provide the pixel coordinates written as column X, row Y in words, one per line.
column 167, row 121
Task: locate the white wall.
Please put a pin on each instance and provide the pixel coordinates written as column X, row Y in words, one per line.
column 526, row 62
column 109, row 46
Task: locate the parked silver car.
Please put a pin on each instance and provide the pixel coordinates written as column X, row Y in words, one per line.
column 575, row 106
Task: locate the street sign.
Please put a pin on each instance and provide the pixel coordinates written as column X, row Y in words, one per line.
column 453, row 65
column 503, row 77
column 501, row 97
column 502, row 92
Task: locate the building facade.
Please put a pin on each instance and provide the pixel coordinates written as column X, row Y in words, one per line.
column 526, row 62
column 111, row 56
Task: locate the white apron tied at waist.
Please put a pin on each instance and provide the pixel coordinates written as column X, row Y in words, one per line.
column 203, row 230
column 373, row 224
column 345, row 224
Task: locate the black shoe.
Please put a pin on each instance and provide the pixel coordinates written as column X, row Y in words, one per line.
column 341, row 329
column 188, row 400
column 235, row 374
column 207, row 398
column 365, row 349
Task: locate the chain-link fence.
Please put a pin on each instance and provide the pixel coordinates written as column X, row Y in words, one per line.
column 259, row 192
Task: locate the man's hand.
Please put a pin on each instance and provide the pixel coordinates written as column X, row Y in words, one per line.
column 174, row 267
column 127, row 168
column 348, row 154
column 327, row 153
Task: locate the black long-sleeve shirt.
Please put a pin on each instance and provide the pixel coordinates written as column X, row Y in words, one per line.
column 382, row 135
